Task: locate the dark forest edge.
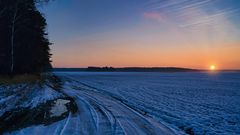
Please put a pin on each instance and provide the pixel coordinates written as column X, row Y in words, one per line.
column 24, row 44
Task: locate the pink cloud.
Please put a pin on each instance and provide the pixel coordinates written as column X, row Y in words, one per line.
column 152, row 15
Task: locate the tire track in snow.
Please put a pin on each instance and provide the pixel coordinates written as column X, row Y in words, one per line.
column 128, row 120
column 65, row 125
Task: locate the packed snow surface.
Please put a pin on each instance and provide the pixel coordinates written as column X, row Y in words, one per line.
column 148, row 103
column 192, row 102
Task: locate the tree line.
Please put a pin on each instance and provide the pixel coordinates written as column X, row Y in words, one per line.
column 24, row 43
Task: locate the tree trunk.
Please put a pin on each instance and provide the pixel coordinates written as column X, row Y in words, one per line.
column 13, row 37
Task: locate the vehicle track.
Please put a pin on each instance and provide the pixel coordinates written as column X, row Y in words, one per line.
column 112, row 115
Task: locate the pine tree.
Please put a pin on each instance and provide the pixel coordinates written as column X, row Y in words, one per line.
column 24, row 46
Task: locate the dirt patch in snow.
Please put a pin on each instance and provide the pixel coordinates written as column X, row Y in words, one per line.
column 44, row 114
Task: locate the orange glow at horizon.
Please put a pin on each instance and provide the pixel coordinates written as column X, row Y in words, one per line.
column 126, row 56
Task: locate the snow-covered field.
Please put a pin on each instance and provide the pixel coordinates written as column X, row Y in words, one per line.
column 147, row 103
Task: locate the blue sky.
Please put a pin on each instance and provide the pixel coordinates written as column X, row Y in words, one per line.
column 134, row 32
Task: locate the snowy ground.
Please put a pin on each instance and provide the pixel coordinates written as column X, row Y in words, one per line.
column 25, row 96
column 145, row 103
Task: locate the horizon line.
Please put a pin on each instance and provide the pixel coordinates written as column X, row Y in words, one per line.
column 149, row 67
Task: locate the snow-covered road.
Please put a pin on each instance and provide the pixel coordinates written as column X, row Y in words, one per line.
column 98, row 114
column 102, row 114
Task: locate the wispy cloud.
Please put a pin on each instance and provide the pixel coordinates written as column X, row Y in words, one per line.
column 152, row 15
column 177, row 4
column 209, row 19
column 195, row 4
column 192, row 13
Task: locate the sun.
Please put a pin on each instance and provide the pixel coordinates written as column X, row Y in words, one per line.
column 212, row 67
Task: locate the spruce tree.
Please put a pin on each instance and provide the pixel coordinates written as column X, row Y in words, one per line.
column 24, row 46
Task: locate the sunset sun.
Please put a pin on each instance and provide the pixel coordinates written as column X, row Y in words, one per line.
column 212, row 67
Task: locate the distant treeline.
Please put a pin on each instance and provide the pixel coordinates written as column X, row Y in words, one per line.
column 126, row 69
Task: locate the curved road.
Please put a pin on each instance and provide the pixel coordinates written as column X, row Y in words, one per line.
column 98, row 113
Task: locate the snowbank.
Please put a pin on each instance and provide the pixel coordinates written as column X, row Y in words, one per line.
column 25, row 96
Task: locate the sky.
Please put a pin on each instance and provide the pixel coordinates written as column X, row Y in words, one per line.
column 144, row 33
